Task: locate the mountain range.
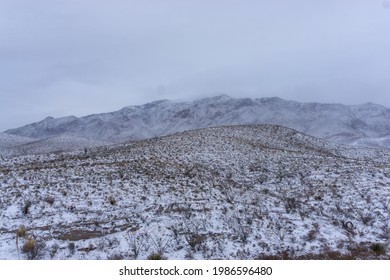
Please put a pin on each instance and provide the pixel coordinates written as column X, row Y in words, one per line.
column 360, row 125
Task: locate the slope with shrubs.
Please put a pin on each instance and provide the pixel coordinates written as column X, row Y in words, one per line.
column 235, row 192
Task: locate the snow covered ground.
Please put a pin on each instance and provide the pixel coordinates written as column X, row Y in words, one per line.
column 234, row 192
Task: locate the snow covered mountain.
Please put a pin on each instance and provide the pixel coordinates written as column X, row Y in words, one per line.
column 364, row 125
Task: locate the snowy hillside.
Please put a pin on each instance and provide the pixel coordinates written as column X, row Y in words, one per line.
column 233, row 192
column 56, row 144
column 8, row 141
column 366, row 124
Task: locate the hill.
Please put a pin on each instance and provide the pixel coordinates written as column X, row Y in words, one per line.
column 232, row 192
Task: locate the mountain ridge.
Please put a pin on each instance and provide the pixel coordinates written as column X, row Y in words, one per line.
column 362, row 125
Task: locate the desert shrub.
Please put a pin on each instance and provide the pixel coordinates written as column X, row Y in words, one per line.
column 137, row 243
column 156, row 256
column 29, row 245
column 176, row 230
column 312, row 234
column 291, row 205
column 378, row 248
column 367, row 219
column 195, row 240
column 21, row 231
column 160, row 245
column 116, row 256
column 112, row 200
column 241, row 230
column 71, row 248
column 26, row 207
column 33, row 247
column 53, row 250
column 49, row 199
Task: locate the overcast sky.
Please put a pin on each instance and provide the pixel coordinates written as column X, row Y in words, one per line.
column 78, row 57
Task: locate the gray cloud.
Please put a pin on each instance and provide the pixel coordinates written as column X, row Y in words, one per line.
column 80, row 57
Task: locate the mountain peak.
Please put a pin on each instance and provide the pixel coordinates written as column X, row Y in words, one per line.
column 219, row 97
column 272, row 99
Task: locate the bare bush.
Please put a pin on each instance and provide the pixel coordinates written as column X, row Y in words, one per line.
column 137, row 243
column 160, row 245
column 26, row 207
column 193, row 236
column 290, row 204
column 71, row 248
